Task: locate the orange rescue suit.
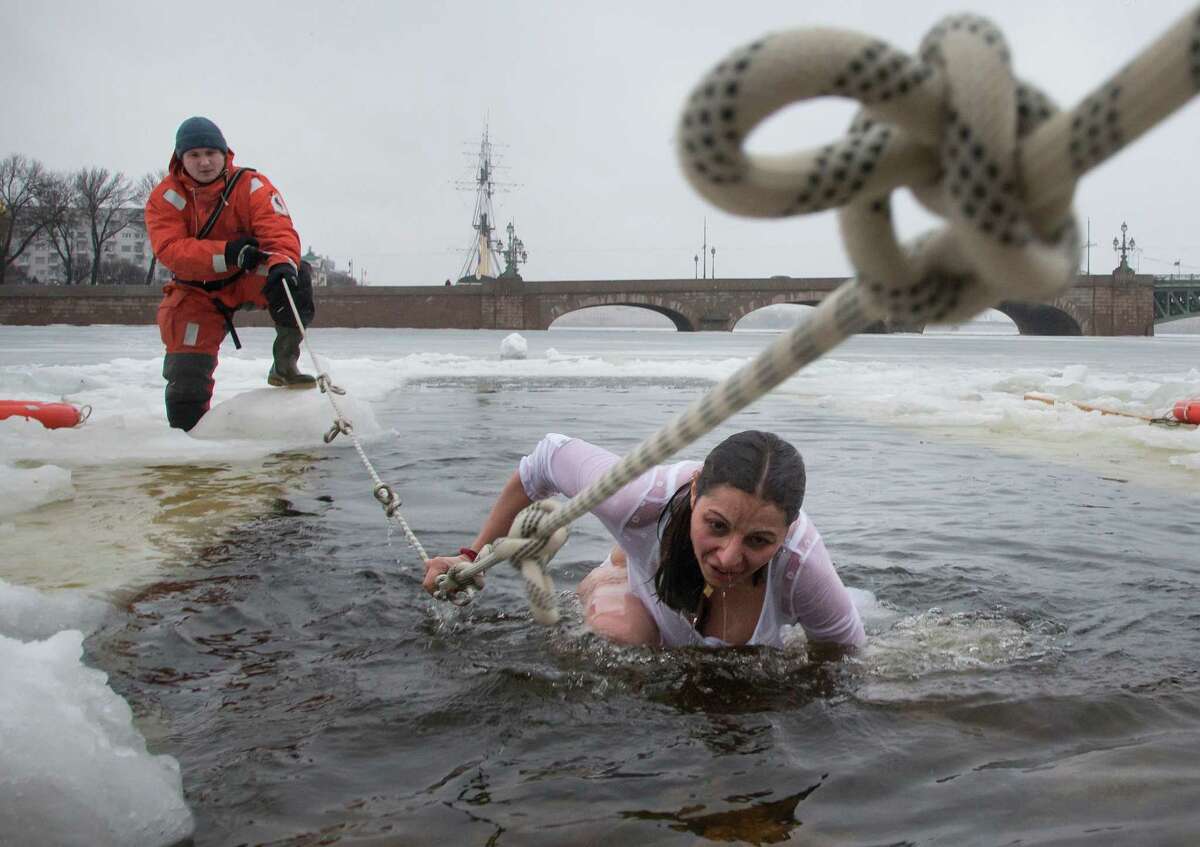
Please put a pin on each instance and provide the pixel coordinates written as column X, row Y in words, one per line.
column 175, row 212
column 190, row 321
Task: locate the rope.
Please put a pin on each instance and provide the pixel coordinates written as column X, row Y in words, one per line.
column 1165, row 419
column 383, row 492
column 991, row 154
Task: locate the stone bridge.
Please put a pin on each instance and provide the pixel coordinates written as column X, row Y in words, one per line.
column 1121, row 303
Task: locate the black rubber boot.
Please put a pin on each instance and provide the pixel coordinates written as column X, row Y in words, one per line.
column 286, row 351
column 189, row 387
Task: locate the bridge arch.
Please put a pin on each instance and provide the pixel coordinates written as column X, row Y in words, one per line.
column 682, row 321
column 805, row 298
column 1042, row 318
column 777, row 319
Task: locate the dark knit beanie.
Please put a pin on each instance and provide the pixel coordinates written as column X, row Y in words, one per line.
column 199, row 132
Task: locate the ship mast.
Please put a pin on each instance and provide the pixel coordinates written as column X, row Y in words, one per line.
column 483, row 256
column 482, row 261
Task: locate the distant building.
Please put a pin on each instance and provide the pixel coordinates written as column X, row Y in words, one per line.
column 41, row 263
column 323, row 267
column 325, row 272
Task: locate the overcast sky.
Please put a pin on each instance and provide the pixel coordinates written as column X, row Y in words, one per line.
column 366, row 114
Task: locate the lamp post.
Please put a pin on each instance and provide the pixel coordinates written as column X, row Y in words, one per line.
column 696, row 268
column 714, row 262
column 1124, row 248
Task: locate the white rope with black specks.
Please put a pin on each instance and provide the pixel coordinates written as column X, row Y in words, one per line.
column 991, row 154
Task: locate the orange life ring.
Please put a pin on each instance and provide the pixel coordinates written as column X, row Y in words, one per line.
column 50, row 415
column 1188, row 411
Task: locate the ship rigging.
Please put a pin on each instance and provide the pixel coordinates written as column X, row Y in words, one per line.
column 487, row 257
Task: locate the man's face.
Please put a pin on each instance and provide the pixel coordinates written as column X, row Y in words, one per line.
column 203, row 164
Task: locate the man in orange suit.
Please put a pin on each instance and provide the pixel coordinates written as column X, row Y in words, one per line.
column 227, row 237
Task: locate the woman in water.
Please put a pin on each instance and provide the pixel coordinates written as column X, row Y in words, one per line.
column 712, row 554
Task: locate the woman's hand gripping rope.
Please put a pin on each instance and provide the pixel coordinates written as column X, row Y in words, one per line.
column 529, row 545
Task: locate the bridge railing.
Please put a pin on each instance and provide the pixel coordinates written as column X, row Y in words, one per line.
column 1174, row 303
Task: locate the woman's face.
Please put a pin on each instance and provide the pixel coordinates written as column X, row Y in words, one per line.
column 734, row 534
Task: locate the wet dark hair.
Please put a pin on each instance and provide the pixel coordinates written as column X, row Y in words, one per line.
column 759, row 463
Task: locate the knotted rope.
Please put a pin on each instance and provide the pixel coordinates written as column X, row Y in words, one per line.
column 382, row 492
column 989, row 153
column 530, row 547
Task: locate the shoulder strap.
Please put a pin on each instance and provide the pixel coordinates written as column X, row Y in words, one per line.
column 216, row 213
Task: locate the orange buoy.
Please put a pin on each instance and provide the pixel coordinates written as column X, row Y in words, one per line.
column 1187, row 411
column 50, row 415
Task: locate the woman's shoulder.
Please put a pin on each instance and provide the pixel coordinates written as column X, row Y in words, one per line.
column 657, row 486
column 802, row 539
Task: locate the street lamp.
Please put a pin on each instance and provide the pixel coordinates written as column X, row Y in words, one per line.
column 714, row 263
column 1123, row 248
column 696, row 269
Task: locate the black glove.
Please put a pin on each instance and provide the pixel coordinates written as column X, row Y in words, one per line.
column 244, row 253
column 281, row 311
column 280, row 274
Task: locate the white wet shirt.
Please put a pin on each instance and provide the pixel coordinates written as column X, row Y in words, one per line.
column 802, row 586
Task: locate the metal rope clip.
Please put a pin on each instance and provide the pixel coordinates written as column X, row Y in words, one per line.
column 339, row 426
column 326, row 385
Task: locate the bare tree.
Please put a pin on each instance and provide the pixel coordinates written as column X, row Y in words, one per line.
column 120, row 272
column 20, row 183
column 145, row 186
column 59, row 212
column 104, row 200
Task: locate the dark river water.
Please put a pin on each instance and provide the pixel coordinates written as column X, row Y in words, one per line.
column 1029, row 577
column 1032, row 676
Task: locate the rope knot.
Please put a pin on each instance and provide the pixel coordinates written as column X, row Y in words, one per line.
column 387, row 498
column 950, row 124
column 341, row 426
column 325, row 383
column 530, row 548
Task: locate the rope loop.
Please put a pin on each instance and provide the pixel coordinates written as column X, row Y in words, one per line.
column 530, row 548
column 530, row 544
column 325, row 383
column 340, row 426
column 989, row 153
